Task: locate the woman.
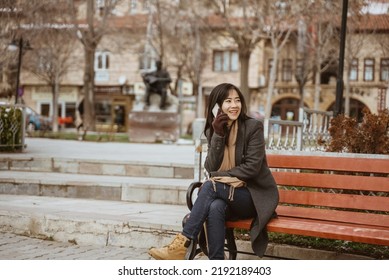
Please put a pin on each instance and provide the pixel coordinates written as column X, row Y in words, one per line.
column 240, row 179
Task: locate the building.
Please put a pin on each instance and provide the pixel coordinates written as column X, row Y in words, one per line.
column 124, row 54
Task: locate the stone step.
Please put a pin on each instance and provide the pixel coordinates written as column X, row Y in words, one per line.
column 85, row 221
column 100, row 187
column 97, row 167
column 117, row 223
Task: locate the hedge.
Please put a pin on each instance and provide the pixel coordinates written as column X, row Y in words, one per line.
column 11, row 134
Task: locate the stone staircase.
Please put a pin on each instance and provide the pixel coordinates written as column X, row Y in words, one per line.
column 96, row 179
column 84, row 196
column 93, row 201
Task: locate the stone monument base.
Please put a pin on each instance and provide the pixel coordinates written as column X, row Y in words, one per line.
column 150, row 124
column 153, row 127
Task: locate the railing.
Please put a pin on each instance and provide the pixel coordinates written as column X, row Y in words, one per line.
column 302, row 135
column 315, row 128
column 12, row 127
column 283, row 135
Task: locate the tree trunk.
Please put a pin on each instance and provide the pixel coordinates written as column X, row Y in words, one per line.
column 244, row 57
column 317, row 80
column 347, row 94
column 55, row 91
column 301, row 91
column 270, row 88
column 89, row 76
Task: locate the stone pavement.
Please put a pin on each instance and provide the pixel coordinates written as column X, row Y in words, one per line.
column 17, row 247
column 132, row 152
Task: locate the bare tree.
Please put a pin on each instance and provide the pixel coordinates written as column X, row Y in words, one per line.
column 323, row 23
column 242, row 21
column 90, row 34
column 180, row 41
column 279, row 24
column 357, row 36
column 382, row 40
column 52, row 60
column 21, row 21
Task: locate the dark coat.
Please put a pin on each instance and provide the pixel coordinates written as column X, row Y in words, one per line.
column 250, row 166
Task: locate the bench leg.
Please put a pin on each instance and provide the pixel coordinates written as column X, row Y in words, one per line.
column 192, row 250
column 230, row 244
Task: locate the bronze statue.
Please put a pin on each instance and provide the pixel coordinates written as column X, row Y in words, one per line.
column 157, row 82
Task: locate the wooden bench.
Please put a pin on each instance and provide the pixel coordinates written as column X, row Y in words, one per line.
column 327, row 196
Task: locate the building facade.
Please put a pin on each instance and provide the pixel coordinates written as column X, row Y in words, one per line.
column 120, row 60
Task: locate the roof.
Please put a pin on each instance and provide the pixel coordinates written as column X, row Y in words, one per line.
column 374, row 22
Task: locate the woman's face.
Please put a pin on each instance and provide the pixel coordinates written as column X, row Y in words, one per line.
column 232, row 105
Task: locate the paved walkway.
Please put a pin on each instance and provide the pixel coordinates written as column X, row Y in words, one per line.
column 17, row 247
column 150, row 153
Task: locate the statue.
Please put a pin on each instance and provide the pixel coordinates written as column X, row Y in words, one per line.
column 157, row 82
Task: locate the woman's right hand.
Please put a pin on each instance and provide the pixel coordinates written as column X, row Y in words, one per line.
column 219, row 124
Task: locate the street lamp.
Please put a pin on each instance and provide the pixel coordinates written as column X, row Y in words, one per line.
column 339, row 81
column 20, row 45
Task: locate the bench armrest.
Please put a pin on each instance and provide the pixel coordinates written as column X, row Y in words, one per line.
column 189, row 193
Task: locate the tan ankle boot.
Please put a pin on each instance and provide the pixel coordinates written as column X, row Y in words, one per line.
column 174, row 251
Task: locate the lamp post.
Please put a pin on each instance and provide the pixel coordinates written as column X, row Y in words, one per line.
column 20, row 45
column 339, row 81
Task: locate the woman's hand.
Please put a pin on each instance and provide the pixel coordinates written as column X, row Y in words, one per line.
column 219, row 124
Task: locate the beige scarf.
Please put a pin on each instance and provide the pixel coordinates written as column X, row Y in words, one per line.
column 229, row 162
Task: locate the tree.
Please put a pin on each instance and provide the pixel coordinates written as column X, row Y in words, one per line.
column 180, row 41
column 52, row 60
column 382, row 39
column 323, row 22
column 279, row 23
column 357, row 37
column 22, row 21
column 90, row 35
column 243, row 22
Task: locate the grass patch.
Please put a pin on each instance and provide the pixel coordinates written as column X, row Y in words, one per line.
column 339, row 246
column 91, row 136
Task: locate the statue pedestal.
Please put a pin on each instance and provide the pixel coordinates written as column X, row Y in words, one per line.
column 152, row 127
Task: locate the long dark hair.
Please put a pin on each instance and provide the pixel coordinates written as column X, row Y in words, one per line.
column 217, row 96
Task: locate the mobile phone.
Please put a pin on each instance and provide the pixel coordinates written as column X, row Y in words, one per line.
column 215, row 109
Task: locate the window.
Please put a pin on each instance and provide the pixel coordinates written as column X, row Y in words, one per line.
column 368, row 73
column 103, row 110
column 145, row 5
column 282, row 7
column 270, row 66
column 301, row 71
column 384, row 72
column 222, row 4
column 147, row 63
column 354, row 70
column 133, row 6
column 102, row 60
column 286, row 70
column 225, row 61
column 100, row 4
column 147, row 60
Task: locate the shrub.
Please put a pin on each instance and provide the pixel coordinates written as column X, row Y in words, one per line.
column 10, row 129
column 371, row 136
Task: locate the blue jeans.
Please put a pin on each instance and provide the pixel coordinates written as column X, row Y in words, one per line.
column 211, row 206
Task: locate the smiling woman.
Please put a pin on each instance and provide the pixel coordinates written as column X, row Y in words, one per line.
column 240, row 184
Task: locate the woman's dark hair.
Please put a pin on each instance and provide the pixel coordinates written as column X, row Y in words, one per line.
column 217, row 96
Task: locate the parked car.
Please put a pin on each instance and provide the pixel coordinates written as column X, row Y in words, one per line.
column 35, row 121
